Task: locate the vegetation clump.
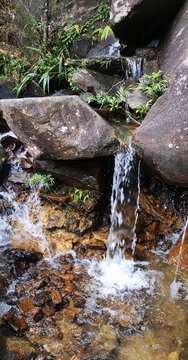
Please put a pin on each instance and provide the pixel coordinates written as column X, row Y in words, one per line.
column 51, row 51
column 153, row 85
column 46, row 181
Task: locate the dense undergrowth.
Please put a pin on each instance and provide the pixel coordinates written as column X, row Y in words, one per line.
column 50, row 52
column 153, row 86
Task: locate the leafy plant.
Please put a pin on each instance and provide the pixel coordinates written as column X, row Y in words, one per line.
column 70, row 72
column 12, row 65
column 153, row 85
column 104, row 33
column 112, row 102
column 79, row 195
column 52, row 51
column 46, row 181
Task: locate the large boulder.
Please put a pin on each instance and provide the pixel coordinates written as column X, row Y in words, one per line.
column 95, row 82
column 162, row 139
column 137, row 22
column 175, row 47
column 62, row 127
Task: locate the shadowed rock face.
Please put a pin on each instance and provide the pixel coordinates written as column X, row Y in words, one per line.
column 162, row 139
column 137, row 22
column 59, row 128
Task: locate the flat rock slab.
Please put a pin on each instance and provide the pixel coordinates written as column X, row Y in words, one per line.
column 61, row 128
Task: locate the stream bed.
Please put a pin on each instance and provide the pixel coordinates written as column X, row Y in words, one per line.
column 81, row 304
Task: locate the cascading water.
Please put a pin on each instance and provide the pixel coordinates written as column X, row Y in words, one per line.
column 115, row 273
column 19, row 220
column 134, row 66
column 124, row 203
column 116, row 308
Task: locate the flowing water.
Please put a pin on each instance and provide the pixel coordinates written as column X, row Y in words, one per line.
column 120, row 308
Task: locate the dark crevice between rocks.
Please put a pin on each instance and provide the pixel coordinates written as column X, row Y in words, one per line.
column 149, row 21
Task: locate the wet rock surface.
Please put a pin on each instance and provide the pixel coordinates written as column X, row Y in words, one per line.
column 108, row 64
column 59, row 128
column 180, row 257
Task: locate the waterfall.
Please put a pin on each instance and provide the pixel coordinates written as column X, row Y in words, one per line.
column 134, row 66
column 19, row 219
column 124, row 203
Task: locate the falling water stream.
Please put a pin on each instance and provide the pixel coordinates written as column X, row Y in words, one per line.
column 133, row 309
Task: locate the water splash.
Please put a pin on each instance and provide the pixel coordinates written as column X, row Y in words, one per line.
column 19, row 219
column 117, row 277
column 115, row 48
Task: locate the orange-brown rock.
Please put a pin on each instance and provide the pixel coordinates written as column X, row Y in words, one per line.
column 69, row 288
column 16, row 323
column 175, row 253
column 56, row 299
column 28, row 309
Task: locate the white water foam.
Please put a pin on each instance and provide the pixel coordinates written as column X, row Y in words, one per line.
column 118, row 277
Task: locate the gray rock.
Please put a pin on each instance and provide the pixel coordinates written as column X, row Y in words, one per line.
column 108, row 64
column 6, row 89
column 59, row 128
column 31, row 89
column 137, row 22
column 150, row 66
column 95, row 82
column 175, row 47
column 162, row 139
column 137, row 98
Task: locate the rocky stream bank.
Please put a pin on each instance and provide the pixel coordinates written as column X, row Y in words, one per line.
column 61, row 297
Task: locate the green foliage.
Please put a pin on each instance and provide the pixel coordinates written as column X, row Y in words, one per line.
column 46, row 68
column 12, row 66
column 112, row 102
column 70, row 72
column 153, row 85
column 51, row 52
column 103, row 11
column 104, row 33
column 79, row 195
column 141, row 111
column 47, row 181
